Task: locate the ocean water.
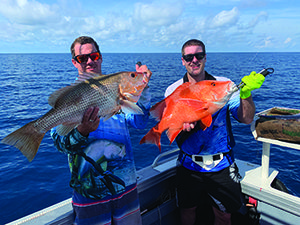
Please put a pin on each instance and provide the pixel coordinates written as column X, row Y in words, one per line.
column 27, row 80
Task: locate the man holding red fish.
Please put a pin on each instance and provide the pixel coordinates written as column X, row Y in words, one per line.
column 206, row 162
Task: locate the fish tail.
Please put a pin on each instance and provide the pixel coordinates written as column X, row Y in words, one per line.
column 152, row 137
column 27, row 139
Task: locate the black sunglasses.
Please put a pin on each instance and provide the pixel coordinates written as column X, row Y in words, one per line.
column 85, row 57
column 190, row 57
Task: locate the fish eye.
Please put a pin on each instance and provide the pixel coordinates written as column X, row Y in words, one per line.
column 132, row 75
column 213, row 84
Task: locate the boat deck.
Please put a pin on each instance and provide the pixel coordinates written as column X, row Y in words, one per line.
column 156, row 186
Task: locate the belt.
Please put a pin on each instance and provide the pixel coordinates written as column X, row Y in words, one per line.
column 216, row 157
column 207, row 162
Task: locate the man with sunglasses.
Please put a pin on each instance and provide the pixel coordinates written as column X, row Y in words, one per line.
column 206, row 169
column 86, row 57
column 105, row 189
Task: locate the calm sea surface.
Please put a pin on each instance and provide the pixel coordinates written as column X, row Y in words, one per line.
column 27, row 80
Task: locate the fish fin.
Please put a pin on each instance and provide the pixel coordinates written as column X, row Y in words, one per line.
column 182, row 87
column 129, row 107
column 85, row 76
column 62, row 91
column 57, row 94
column 63, row 129
column 206, row 122
column 106, row 117
column 27, row 139
column 152, row 137
column 158, row 109
column 172, row 134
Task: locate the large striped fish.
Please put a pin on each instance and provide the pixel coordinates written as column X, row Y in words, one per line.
column 111, row 93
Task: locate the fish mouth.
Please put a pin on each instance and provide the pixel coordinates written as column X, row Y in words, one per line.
column 145, row 77
column 232, row 87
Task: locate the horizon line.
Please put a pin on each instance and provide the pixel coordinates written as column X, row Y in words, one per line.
column 150, row 52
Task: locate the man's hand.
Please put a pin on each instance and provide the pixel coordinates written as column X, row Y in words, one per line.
column 90, row 121
column 189, row 126
column 252, row 82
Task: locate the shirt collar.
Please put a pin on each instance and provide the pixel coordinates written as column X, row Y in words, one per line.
column 207, row 77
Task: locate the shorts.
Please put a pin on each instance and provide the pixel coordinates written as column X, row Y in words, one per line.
column 223, row 187
column 120, row 209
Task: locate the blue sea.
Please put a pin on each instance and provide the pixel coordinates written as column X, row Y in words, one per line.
column 27, row 80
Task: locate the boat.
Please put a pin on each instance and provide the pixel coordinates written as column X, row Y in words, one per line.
column 271, row 202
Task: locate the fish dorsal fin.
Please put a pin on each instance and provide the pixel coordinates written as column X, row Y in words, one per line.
column 182, row 87
column 80, row 79
column 57, row 94
column 85, row 76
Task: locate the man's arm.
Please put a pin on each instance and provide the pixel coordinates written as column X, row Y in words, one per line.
column 246, row 111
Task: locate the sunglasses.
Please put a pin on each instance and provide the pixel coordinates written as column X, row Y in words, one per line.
column 190, row 57
column 85, row 57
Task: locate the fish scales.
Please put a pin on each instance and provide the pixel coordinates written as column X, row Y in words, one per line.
column 74, row 103
column 108, row 92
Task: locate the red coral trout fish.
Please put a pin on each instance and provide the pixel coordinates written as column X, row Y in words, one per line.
column 187, row 104
column 111, row 93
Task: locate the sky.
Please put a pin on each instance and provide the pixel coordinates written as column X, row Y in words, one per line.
column 150, row 26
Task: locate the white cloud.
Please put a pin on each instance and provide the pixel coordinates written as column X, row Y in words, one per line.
column 157, row 14
column 268, row 42
column 225, row 18
column 265, row 43
column 28, row 12
column 288, row 40
column 262, row 16
column 158, row 25
column 92, row 24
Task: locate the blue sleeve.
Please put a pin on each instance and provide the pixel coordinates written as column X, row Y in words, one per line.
column 70, row 143
column 234, row 104
column 140, row 121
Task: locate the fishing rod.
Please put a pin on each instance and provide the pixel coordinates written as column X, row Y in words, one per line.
column 264, row 72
